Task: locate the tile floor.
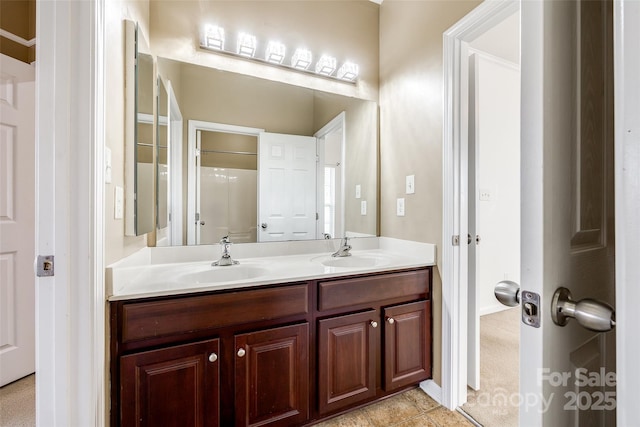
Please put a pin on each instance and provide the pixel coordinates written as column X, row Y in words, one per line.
column 413, row 408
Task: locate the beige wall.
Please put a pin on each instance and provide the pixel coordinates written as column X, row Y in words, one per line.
column 411, row 108
column 117, row 245
column 19, row 18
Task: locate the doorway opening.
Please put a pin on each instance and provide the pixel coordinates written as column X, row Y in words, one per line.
column 493, row 222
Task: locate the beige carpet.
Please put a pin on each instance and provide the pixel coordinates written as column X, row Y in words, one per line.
column 496, row 403
column 18, row 403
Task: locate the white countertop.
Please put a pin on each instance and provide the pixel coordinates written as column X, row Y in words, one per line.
column 165, row 271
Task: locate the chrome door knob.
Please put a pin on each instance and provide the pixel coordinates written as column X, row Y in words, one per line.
column 263, row 225
column 594, row 315
column 508, row 293
column 213, row 357
column 241, row 352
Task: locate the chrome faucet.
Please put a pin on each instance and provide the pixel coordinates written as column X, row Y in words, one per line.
column 344, row 248
column 225, row 259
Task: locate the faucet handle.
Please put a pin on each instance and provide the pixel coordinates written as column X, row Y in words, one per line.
column 225, row 240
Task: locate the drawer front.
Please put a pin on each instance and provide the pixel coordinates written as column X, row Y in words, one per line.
column 175, row 316
column 362, row 290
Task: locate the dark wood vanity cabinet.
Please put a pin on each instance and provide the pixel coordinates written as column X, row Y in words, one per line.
column 347, row 347
column 173, row 386
column 272, row 377
column 285, row 355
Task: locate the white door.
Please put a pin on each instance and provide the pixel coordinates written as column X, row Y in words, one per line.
column 17, row 219
column 286, row 187
column 567, row 373
column 494, row 196
column 174, row 162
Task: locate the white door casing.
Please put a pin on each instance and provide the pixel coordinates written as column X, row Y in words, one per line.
column 286, row 187
column 17, row 219
column 627, row 181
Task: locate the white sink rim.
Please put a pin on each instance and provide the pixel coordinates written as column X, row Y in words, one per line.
column 353, row 261
column 222, row 274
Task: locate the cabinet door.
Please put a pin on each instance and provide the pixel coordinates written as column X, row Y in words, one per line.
column 347, row 347
column 272, row 377
column 174, row 386
column 407, row 344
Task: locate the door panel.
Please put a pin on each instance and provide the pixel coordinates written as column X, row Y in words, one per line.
column 567, row 205
column 346, row 360
column 272, row 377
column 17, row 219
column 287, row 187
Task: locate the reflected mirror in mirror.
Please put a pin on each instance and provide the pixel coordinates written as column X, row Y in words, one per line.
column 237, row 127
column 139, row 141
column 162, row 171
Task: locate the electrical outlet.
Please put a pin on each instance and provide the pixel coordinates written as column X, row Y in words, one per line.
column 410, row 184
column 363, row 207
column 400, row 207
column 358, row 191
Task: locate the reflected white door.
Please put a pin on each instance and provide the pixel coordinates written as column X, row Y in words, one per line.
column 286, row 187
column 17, row 221
column 567, row 208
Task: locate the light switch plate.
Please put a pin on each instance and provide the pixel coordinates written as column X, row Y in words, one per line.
column 363, row 207
column 400, row 207
column 118, row 204
column 410, row 184
column 484, row 194
column 358, row 191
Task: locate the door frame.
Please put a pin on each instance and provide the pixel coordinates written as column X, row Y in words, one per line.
column 71, row 365
column 193, row 127
column 626, row 16
column 339, row 121
column 455, row 193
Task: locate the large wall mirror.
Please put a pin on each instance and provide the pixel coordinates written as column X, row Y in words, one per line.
column 265, row 161
column 139, row 140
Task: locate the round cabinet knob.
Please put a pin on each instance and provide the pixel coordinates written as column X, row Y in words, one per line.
column 391, row 320
column 374, row 324
column 213, row 357
column 241, row 352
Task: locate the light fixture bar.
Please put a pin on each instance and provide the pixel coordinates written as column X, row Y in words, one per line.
column 213, row 39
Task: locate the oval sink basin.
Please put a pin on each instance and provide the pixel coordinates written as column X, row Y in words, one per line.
column 223, row 274
column 354, row 261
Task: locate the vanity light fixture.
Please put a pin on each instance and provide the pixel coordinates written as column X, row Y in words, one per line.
column 301, row 59
column 246, row 45
column 214, row 37
column 275, row 52
column 348, row 71
column 326, row 65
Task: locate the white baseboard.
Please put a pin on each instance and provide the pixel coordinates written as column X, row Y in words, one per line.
column 433, row 390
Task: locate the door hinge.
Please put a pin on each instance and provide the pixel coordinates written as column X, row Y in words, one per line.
column 44, row 266
column 455, row 240
column 317, row 158
column 197, row 152
column 198, row 216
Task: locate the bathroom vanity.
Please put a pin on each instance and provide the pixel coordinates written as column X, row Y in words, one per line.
column 271, row 351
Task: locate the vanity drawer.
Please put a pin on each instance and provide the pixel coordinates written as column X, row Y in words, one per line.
column 362, row 290
column 154, row 319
